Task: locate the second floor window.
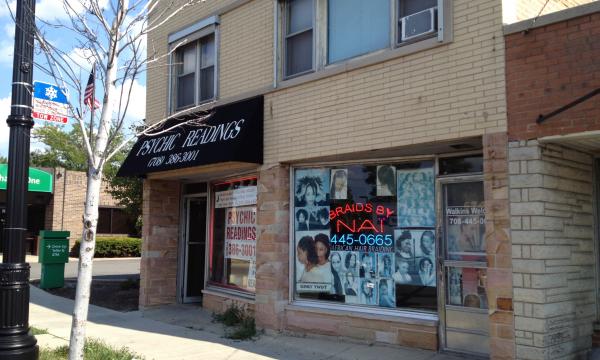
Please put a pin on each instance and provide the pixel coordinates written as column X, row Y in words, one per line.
column 317, row 33
column 357, row 27
column 195, row 73
column 299, row 37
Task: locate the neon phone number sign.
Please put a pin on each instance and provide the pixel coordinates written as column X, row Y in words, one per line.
column 361, row 227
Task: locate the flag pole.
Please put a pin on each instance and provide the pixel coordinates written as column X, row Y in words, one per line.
column 92, row 103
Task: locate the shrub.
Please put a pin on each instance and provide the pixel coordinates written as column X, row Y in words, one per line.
column 244, row 326
column 113, row 247
column 245, row 330
column 231, row 317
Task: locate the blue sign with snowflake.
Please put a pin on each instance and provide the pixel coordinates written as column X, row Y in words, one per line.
column 50, row 103
column 49, row 92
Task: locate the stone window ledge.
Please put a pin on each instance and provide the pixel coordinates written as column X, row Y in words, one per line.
column 404, row 316
column 225, row 293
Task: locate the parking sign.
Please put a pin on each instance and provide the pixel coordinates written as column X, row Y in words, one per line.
column 49, row 103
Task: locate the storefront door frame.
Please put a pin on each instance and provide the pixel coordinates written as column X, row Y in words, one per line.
column 183, row 247
column 442, row 262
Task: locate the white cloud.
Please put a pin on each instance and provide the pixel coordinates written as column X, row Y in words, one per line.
column 9, row 29
column 81, row 59
column 136, row 109
column 135, row 29
column 7, row 43
column 6, row 52
column 4, row 130
column 4, row 10
column 52, row 10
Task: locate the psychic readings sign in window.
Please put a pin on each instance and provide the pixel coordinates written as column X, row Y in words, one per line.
column 233, row 240
column 364, row 235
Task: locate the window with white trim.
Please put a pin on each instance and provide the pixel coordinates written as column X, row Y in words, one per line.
column 299, row 15
column 194, row 68
column 317, row 33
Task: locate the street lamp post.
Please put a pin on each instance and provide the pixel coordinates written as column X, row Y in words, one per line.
column 16, row 343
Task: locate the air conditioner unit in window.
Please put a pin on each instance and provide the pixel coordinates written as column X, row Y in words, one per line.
column 418, row 24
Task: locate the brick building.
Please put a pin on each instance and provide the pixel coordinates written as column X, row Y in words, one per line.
column 59, row 205
column 358, row 189
column 553, row 179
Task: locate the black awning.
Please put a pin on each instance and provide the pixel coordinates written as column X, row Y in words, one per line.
column 234, row 132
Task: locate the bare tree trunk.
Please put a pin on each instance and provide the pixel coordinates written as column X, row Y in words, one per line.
column 90, row 220
column 86, row 254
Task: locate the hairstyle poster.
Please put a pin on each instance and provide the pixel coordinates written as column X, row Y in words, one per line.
column 351, row 291
column 386, row 180
column 311, row 187
column 313, row 262
column 339, row 184
column 310, row 218
column 368, row 291
column 467, row 287
column 345, row 270
column 386, row 289
column 415, row 257
column 416, row 199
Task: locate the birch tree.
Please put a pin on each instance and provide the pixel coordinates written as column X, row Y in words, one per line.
column 112, row 35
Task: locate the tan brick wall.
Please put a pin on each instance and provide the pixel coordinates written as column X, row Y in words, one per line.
column 498, row 246
column 272, row 248
column 219, row 304
column 245, row 52
column 552, row 249
column 363, row 329
column 451, row 91
column 70, row 188
column 160, row 235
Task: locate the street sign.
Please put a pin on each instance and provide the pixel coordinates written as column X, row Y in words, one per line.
column 49, row 103
column 38, row 180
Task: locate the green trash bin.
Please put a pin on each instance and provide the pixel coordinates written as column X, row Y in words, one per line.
column 53, row 255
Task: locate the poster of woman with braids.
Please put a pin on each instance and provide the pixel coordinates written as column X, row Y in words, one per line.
column 312, row 187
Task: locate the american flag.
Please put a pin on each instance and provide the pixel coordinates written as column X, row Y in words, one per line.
column 89, row 91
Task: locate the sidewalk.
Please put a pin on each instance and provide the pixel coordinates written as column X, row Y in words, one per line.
column 152, row 333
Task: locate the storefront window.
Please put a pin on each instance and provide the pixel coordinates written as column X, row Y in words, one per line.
column 233, row 235
column 465, row 222
column 365, row 235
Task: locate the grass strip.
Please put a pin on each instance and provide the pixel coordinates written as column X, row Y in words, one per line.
column 94, row 350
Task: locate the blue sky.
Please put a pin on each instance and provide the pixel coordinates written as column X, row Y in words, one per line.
column 50, row 11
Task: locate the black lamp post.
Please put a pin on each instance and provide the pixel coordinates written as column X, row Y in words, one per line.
column 15, row 340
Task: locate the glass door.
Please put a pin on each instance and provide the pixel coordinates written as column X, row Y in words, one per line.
column 194, row 249
column 464, row 315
